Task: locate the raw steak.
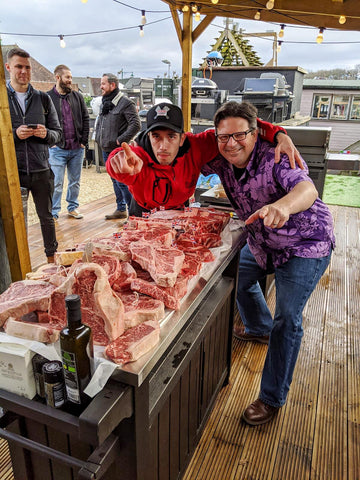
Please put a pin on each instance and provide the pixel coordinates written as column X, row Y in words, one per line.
column 101, row 309
column 134, row 343
column 155, row 291
column 209, row 240
column 141, row 308
column 41, row 332
column 163, row 264
column 23, row 297
column 109, row 263
column 123, row 281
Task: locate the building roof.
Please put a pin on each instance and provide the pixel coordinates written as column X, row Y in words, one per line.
column 39, row 72
column 317, row 84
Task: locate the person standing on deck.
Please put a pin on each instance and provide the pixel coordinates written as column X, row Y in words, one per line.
column 35, row 127
column 290, row 233
column 117, row 122
column 68, row 154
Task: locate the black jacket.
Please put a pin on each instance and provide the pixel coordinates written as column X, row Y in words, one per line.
column 32, row 154
column 121, row 124
column 79, row 112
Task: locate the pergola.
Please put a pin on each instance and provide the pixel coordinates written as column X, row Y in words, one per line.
column 321, row 14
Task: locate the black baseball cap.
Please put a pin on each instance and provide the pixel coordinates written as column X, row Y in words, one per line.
column 165, row 115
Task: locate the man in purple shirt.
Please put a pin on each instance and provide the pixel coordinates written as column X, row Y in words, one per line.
column 69, row 153
column 290, row 233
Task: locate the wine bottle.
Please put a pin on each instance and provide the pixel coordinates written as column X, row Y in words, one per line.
column 77, row 355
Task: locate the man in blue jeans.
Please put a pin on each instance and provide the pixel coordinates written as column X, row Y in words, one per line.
column 290, row 233
column 69, row 153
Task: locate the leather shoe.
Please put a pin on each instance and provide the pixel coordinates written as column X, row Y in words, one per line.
column 239, row 332
column 116, row 215
column 259, row 412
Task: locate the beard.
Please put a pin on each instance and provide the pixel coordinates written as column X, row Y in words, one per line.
column 64, row 87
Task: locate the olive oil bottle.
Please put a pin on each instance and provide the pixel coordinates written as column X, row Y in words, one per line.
column 77, row 356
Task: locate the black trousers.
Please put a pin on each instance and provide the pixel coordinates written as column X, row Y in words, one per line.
column 41, row 186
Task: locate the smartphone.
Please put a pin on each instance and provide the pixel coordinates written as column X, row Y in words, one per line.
column 32, row 125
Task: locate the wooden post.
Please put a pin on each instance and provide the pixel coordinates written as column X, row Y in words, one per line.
column 186, row 47
column 10, row 197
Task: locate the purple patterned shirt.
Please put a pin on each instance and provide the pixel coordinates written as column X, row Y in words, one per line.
column 307, row 234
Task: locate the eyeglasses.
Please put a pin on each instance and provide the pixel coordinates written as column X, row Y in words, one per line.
column 237, row 136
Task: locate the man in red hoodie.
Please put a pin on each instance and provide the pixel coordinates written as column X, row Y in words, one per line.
column 163, row 169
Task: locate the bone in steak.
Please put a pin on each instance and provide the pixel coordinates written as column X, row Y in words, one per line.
column 134, row 343
column 23, row 297
column 126, row 275
column 163, row 264
column 141, row 308
column 101, row 309
column 41, row 332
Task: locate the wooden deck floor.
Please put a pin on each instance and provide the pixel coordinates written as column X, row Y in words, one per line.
column 316, row 435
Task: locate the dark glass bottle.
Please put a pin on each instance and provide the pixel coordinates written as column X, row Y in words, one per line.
column 77, row 356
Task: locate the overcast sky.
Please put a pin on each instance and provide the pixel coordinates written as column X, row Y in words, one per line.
column 94, row 54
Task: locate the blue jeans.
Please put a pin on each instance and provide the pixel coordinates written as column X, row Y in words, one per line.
column 294, row 280
column 72, row 161
column 122, row 194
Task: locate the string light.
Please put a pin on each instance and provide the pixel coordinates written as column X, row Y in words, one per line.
column 214, row 1
column 320, row 37
column 281, row 33
column 84, row 1
column 143, row 18
column 62, row 41
column 270, row 4
column 141, row 31
column 194, row 7
column 342, row 19
column 185, row 8
column 257, row 15
column 279, row 46
column 197, row 16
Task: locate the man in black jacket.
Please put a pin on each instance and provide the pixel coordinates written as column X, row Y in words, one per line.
column 68, row 154
column 35, row 127
column 118, row 122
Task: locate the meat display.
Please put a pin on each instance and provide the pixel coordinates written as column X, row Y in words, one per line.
column 124, row 281
column 134, row 343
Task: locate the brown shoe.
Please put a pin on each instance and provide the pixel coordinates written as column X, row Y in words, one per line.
column 259, row 412
column 239, row 332
column 117, row 215
column 50, row 259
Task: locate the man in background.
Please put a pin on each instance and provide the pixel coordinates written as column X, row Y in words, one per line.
column 118, row 122
column 68, row 154
column 35, row 127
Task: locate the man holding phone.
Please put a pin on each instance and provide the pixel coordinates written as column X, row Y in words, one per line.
column 35, row 128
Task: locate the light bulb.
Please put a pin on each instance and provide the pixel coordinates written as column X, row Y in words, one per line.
column 214, row 1
column 84, row 1
column 257, row 15
column 278, row 47
column 197, row 16
column 342, row 19
column 185, row 8
column 141, row 31
column 194, row 8
column 270, row 4
column 62, row 41
column 143, row 18
column 281, row 33
column 320, row 37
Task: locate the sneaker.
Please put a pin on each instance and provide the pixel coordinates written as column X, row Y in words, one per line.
column 55, row 219
column 118, row 214
column 51, row 259
column 76, row 214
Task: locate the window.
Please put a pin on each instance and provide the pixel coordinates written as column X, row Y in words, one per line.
column 340, row 107
column 321, row 106
column 355, row 108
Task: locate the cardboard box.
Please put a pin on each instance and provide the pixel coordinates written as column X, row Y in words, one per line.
column 16, row 372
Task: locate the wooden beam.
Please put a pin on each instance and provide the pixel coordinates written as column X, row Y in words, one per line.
column 186, row 47
column 205, row 22
column 177, row 24
column 10, row 197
